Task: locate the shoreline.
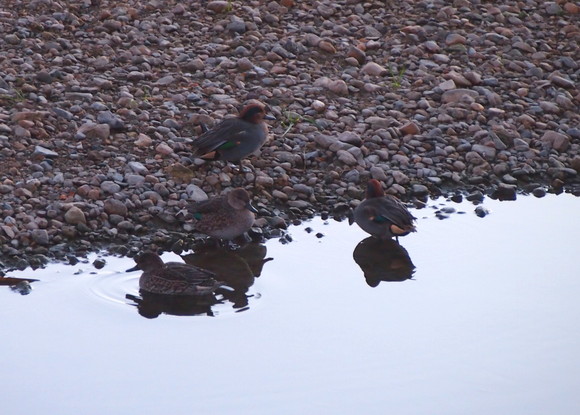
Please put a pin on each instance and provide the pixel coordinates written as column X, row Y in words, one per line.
column 100, row 101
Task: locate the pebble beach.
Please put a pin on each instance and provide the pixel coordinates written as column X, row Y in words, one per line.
column 101, row 100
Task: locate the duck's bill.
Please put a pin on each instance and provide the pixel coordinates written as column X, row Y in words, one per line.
column 135, row 268
column 269, row 117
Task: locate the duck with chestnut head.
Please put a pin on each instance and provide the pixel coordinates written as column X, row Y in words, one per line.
column 383, row 216
column 235, row 138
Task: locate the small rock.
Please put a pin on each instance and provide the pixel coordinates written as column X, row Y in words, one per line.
column 75, row 216
column 164, row 149
column 195, row 193
column 138, row 167
column 410, row 129
column 218, row 6
column 135, row 180
column 346, row 157
column 44, row 152
column 456, row 95
column 338, row 86
column 110, row 187
column 419, row 190
column 505, row 192
column 350, row 137
column 40, row 236
column 455, row 39
column 556, row 140
column 373, row 69
column 237, row 26
column 357, row 54
column 481, row 211
column 115, row 207
column 143, row 140
column 95, row 131
column 327, row 46
column 99, row 263
column 165, row 80
column 107, row 117
column 318, row 106
column 539, row 192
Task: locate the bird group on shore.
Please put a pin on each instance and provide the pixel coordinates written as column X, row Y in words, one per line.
column 231, row 214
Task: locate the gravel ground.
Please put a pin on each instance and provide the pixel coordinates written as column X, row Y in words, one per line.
column 100, row 101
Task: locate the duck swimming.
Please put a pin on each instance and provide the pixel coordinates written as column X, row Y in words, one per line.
column 173, row 278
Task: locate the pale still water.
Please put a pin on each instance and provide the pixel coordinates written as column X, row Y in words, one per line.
column 489, row 324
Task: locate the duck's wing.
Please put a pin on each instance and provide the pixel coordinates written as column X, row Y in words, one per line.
column 206, row 206
column 394, row 211
column 177, row 271
column 226, row 135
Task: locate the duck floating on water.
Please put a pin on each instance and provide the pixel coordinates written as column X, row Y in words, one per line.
column 173, row 278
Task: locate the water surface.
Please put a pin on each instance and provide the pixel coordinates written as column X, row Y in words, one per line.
column 470, row 315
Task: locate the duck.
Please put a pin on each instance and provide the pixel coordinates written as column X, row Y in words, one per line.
column 234, row 138
column 173, row 278
column 224, row 217
column 383, row 216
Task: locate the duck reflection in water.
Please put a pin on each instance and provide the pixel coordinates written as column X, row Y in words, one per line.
column 237, row 269
column 151, row 305
column 173, row 287
column 383, row 260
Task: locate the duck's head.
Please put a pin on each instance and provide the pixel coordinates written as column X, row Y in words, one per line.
column 239, row 199
column 147, row 261
column 255, row 112
column 374, row 189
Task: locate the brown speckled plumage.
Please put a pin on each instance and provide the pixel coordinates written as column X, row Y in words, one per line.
column 224, row 217
column 173, row 278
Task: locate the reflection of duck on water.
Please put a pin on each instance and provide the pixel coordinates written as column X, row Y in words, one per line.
column 383, row 260
column 152, row 305
column 237, row 269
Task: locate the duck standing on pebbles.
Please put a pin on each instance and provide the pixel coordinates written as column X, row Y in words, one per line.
column 224, row 217
column 383, row 216
column 173, row 278
column 235, row 138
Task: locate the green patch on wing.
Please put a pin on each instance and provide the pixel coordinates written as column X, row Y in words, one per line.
column 197, row 215
column 380, row 219
column 227, row 145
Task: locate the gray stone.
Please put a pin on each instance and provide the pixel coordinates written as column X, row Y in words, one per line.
column 419, row 190
column 107, row 117
column 44, row 152
column 75, row 216
column 135, row 180
column 40, row 236
column 138, row 167
column 115, row 207
column 195, row 193
column 350, row 137
column 457, row 95
column 110, row 187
